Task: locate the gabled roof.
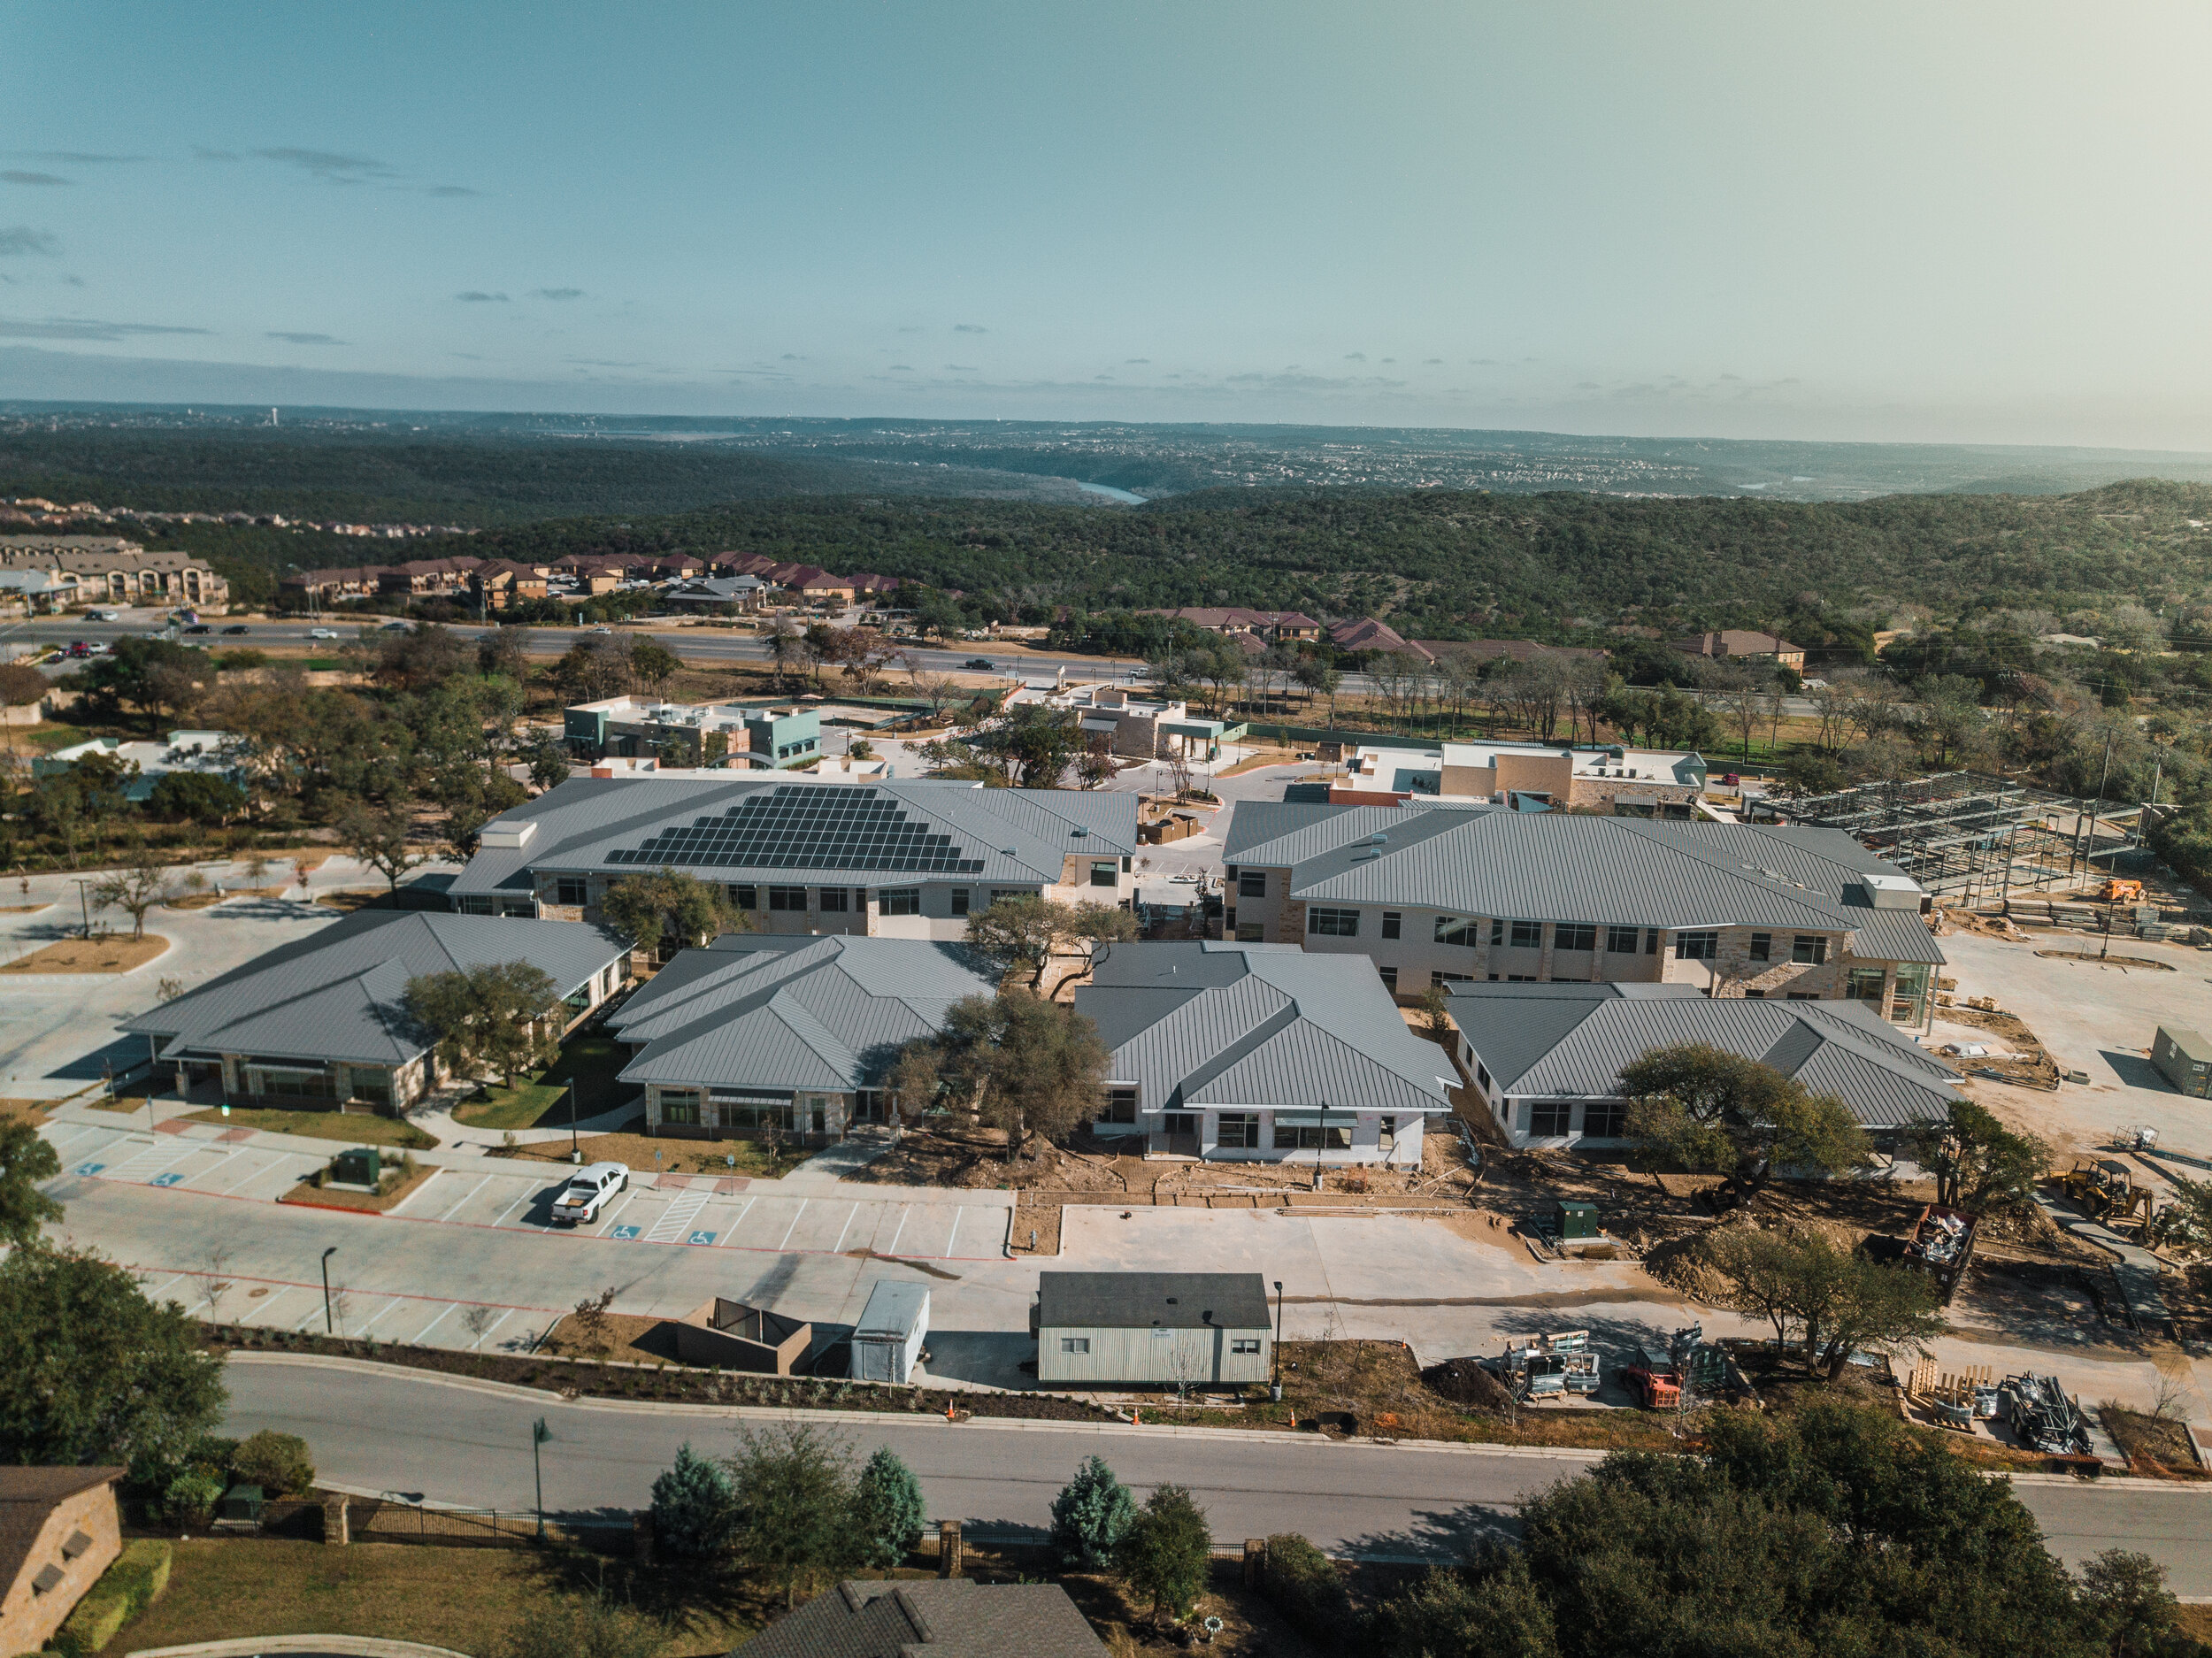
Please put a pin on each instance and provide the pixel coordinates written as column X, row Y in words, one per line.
column 780, row 1013
column 339, row 993
column 1570, row 1041
column 1570, row 866
column 27, row 1497
column 1367, row 634
column 953, row 1617
column 837, row 832
column 1264, row 1026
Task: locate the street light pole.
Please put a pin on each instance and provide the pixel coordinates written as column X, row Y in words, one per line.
column 539, row 1434
column 1277, row 1388
column 83, row 907
column 329, row 1329
column 575, row 1151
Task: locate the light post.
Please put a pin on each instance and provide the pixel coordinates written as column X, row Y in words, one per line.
column 84, row 907
column 328, row 1328
column 1276, row 1388
column 539, row 1434
column 575, row 1150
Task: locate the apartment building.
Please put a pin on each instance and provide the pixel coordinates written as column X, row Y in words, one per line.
column 108, row 569
column 1632, row 782
column 1441, row 893
column 805, row 854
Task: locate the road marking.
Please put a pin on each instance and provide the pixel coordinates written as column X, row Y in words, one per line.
column 527, row 1194
column 165, row 1284
column 624, row 1234
column 841, row 1231
column 165, row 1179
column 423, row 1334
column 219, row 1162
column 628, row 1200
column 89, row 1168
column 904, row 1210
column 730, row 1236
column 677, row 1217
column 82, row 1130
column 957, row 1212
column 478, row 1344
column 253, row 1173
column 471, row 1193
column 795, row 1220
column 702, row 1240
column 364, row 1329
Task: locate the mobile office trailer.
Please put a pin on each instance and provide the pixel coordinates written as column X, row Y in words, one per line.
column 2184, row 1059
column 888, row 1341
column 1152, row 1329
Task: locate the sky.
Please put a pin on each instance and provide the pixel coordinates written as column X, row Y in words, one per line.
column 1971, row 222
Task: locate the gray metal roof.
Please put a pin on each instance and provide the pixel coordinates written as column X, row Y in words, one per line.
column 1264, row 1027
column 1010, row 835
column 1572, row 866
column 897, row 1308
column 782, row 1012
column 1137, row 1301
column 954, row 1617
column 338, row 993
column 1571, row 1040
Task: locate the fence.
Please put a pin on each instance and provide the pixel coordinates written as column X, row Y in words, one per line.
column 371, row 1521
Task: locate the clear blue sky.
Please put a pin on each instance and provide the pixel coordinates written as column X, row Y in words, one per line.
column 1969, row 221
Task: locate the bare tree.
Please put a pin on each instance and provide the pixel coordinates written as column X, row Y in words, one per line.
column 477, row 1320
column 140, row 882
column 214, row 1279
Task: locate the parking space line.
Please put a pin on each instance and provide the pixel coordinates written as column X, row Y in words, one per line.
column 165, row 1284
column 417, row 1191
column 471, row 1193
column 841, row 1231
column 730, row 1236
column 477, row 1345
column 423, row 1334
column 795, row 1221
column 527, row 1194
column 628, row 1198
column 268, row 1305
column 82, row 1129
column 957, row 1212
column 216, row 1165
column 904, row 1210
column 252, row 1174
column 364, row 1329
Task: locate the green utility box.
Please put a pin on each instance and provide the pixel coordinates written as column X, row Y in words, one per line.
column 357, row 1165
column 1576, row 1220
column 2184, row 1059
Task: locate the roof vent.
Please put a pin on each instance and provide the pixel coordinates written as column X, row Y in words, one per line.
column 1378, row 840
column 1078, row 832
column 1170, row 1300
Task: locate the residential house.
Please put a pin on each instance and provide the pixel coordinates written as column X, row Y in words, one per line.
column 947, row 1618
column 1275, row 625
column 1244, row 1053
column 1739, row 644
column 801, row 855
column 59, row 1531
column 1546, row 1058
column 499, row 582
column 109, row 570
column 794, row 1035
column 1632, row 782
column 1152, row 1329
column 211, row 752
column 323, row 1022
column 1443, row 894
column 1367, row 634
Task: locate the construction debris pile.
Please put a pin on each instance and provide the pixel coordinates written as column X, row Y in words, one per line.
column 1550, row 1366
column 2043, row 1416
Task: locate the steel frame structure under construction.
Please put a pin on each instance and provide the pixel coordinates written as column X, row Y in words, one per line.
column 1967, row 836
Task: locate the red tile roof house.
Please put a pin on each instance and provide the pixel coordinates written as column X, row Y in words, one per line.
column 1236, row 619
column 59, row 1531
column 1742, row 644
column 1367, row 634
column 428, row 575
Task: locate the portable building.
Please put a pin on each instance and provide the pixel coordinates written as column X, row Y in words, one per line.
column 2184, row 1059
column 888, row 1341
column 1153, row 1329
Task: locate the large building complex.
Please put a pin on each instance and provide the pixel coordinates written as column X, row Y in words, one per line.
column 1442, row 894
column 108, row 569
column 1628, row 782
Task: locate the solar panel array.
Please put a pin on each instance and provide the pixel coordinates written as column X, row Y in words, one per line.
column 807, row 827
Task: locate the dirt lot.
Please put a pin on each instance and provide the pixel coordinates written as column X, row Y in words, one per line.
column 106, row 953
column 645, row 1155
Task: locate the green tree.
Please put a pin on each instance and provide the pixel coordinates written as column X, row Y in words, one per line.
column 198, row 795
column 1709, row 1111
column 378, row 835
column 2131, row 1605
column 149, row 675
column 694, row 1507
column 279, row 1463
column 92, row 1371
column 1090, row 1516
column 1979, row 1164
column 893, row 1515
column 1026, row 1065
column 1018, row 932
column 26, row 1157
column 797, row 1505
column 1837, row 1300
column 648, row 909
column 1167, row 1552
column 1491, row 1607
column 1311, row 1591
column 653, row 664
column 490, row 1016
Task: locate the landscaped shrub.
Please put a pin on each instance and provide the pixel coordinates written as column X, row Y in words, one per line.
column 1090, row 1515
column 694, row 1507
column 279, row 1463
column 134, row 1582
column 1308, row 1587
column 189, row 1500
column 891, row 1508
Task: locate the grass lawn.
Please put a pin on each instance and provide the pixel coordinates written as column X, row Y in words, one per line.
column 591, row 1062
column 647, row 1155
column 353, row 1130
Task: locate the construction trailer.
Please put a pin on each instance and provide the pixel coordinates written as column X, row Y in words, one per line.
column 888, row 1341
column 2184, row 1059
column 1942, row 1245
column 1550, row 1366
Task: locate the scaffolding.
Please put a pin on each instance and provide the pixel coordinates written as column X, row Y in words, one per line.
column 1972, row 838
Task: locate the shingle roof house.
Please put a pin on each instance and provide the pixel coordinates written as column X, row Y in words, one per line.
column 756, row 1031
column 1439, row 892
column 59, row 1531
column 953, row 1617
column 323, row 1020
column 905, row 859
column 1259, row 1053
column 1546, row 1059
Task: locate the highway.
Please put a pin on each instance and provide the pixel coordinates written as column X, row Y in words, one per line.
column 380, row 1429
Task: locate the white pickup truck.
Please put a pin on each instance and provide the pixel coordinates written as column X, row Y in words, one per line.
column 588, row 1192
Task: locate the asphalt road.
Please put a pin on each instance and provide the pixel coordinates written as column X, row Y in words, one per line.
column 405, row 1432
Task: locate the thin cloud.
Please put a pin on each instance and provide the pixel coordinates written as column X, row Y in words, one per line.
column 72, row 157
column 201, row 152
column 1128, row 360
column 600, row 362
column 83, row 328
column 901, row 368
column 961, row 368
column 1356, row 357
column 452, row 189
column 14, row 177
column 478, row 297
column 969, row 327
column 303, row 339
column 557, row 293
column 22, row 239
column 1433, row 362
column 327, row 165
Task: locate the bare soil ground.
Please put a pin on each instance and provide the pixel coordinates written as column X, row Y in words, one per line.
column 2157, row 1446
column 647, row 1155
column 106, row 954
column 396, row 1192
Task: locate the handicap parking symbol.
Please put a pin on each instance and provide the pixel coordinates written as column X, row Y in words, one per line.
column 701, row 1238
column 91, row 1168
column 165, row 1179
column 624, row 1232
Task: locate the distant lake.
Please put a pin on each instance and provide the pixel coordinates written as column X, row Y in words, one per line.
column 1112, row 494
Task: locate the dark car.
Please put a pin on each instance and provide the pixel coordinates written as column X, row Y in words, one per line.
column 981, row 665
column 199, row 627
column 239, row 629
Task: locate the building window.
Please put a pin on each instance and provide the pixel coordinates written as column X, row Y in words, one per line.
column 1457, row 930
column 1497, row 933
column 1392, row 924
column 1910, row 1001
column 1121, row 1106
column 570, row 889
column 1314, row 1139
column 1240, row 1131
column 1251, row 932
column 997, row 893
column 1696, row 946
column 1605, row 1120
column 1651, row 941
column 787, row 898
column 1252, row 884
column 1482, row 1076
column 1865, row 983
column 472, row 906
column 1548, row 1119
column 1761, row 946
column 680, row 1108
column 902, row 901
column 1528, row 935
column 1075, row 1344
column 1332, row 924
column 745, row 897
column 1809, row 948
column 1755, row 995
column 1575, row 935
column 834, row 899
column 960, row 901
column 1620, row 940
column 1105, row 873
column 1453, row 979
column 1804, row 995
column 1389, row 977
column 1244, row 1344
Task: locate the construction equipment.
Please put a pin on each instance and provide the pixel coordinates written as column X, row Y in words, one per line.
column 1550, row 1366
column 2117, row 890
column 1942, row 1245
column 1658, row 1375
column 1954, row 1400
column 2105, row 1189
column 2040, row 1413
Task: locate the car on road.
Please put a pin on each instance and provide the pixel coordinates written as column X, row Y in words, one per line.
column 240, row 628
column 199, row 627
column 587, row 1191
column 322, row 633
column 396, row 627
column 981, row 665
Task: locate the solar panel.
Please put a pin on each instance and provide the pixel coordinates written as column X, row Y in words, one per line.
column 808, row 827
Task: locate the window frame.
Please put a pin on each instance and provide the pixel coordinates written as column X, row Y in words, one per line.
column 1237, row 1131
column 1614, row 935
column 834, row 901
column 1251, row 883
column 1462, row 931
column 1760, row 948
column 780, row 899
column 1699, row 944
column 1527, row 935
column 1565, row 934
column 1605, row 1120
column 573, row 890
column 1105, row 872
column 1809, row 950
column 901, row 901
column 1331, row 922
column 1393, row 923
column 959, row 901
column 1558, row 1112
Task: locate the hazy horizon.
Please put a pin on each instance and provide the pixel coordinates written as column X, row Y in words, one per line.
column 1705, row 222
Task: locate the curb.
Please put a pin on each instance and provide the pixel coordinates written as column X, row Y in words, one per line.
column 349, row 1646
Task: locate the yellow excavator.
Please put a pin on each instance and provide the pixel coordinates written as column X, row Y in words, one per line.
column 2106, row 1190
